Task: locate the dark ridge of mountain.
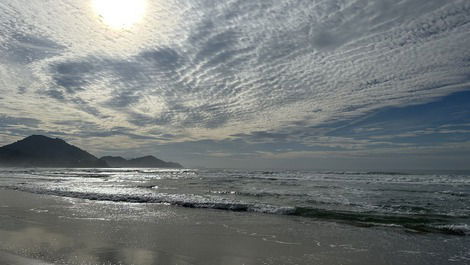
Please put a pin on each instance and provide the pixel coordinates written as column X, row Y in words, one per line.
column 114, row 161
column 146, row 161
column 42, row 151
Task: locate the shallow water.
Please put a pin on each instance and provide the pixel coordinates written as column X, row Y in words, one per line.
column 438, row 203
column 44, row 229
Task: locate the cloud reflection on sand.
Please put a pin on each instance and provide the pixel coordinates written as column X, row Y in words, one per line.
column 41, row 244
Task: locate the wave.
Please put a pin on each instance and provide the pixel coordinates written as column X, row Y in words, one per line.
column 392, row 173
column 429, row 223
column 455, row 193
column 413, row 223
column 457, row 229
column 258, row 194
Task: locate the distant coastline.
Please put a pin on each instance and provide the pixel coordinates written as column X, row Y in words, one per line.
column 43, row 151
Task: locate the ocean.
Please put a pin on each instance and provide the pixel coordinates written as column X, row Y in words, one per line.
column 412, row 202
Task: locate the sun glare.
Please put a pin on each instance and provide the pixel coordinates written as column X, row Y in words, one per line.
column 120, row 13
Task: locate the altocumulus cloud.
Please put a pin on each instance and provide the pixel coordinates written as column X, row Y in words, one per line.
column 286, row 72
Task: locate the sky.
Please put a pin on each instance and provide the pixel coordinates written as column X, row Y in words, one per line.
column 308, row 84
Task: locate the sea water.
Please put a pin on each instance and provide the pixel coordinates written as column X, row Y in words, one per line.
column 417, row 202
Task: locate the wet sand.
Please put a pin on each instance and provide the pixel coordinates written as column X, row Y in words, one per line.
column 42, row 229
column 10, row 259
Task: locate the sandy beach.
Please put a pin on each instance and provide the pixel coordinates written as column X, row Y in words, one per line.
column 42, row 229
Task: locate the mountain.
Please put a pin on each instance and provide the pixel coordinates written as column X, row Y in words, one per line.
column 113, row 161
column 146, row 161
column 42, row 151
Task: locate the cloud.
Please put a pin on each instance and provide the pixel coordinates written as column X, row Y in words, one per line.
column 72, row 76
column 163, row 58
column 23, row 48
column 6, row 121
column 250, row 72
column 22, row 90
column 13, row 126
column 297, row 73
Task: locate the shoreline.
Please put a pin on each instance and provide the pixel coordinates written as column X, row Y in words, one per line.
column 412, row 224
column 11, row 259
column 63, row 230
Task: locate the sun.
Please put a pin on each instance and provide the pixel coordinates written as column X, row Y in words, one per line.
column 120, row 14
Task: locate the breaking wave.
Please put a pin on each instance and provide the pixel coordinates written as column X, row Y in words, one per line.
column 431, row 223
